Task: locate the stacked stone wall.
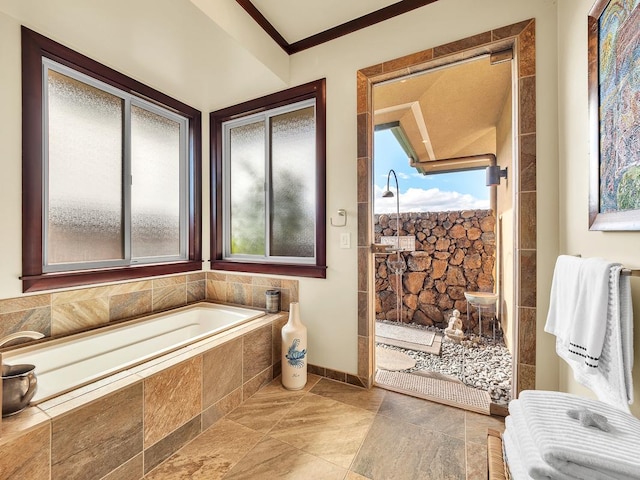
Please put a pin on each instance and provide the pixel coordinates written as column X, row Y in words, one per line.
column 454, row 252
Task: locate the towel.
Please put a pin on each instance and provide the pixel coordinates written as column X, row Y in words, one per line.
column 513, row 456
column 591, row 315
column 578, row 307
column 612, row 381
column 530, row 461
column 576, row 450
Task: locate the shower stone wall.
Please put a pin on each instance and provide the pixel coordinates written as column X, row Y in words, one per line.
column 455, row 252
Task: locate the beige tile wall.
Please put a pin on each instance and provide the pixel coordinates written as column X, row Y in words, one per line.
column 69, row 311
column 62, row 313
column 249, row 290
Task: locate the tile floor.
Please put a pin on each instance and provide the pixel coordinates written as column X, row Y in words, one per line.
column 331, row 430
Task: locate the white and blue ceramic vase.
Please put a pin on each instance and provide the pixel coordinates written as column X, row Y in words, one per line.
column 294, row 351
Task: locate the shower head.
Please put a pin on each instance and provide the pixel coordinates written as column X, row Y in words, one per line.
column 387, row 192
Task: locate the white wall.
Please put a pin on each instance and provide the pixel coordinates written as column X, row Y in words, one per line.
column 332, row 324
column 167, row 44
column 172, row 46
column 575, row 237
column 505, row 234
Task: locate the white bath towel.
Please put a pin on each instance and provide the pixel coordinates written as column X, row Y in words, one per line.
column 594, row 329
column 514, row 457
column 578, row 307
column 564, row 296
column 584, row 452
column 612, row 381
column 530, row 459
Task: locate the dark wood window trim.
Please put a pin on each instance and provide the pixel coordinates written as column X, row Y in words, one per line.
column 317, row 90
column 34, row 48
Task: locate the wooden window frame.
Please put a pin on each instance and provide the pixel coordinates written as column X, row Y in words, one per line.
column 317, row 90
column 34, row 48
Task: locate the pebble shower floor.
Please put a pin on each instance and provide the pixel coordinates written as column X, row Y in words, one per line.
column 487, row 365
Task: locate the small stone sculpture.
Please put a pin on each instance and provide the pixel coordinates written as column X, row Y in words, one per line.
column 587, row 418
column 454, row 330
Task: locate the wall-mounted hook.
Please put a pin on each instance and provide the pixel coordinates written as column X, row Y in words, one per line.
column 341, row 213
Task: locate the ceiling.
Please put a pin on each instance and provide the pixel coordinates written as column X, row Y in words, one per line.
column 448, row 112
column 443, row 113
column 300, row 24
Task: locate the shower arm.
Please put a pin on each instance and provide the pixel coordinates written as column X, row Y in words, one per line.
column 397, row 195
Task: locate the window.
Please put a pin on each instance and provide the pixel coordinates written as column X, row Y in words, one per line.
column 111, row 181
column 268, row 168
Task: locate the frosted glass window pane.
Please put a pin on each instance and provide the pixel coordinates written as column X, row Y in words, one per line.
column 293, row 157
column 155, row 187
column 247, row 173
column 85, row 172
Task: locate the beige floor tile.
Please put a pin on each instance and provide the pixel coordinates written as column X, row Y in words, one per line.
column 264, row 409
column 477, row 426
column 320, row 432
column 355, row 476
column 401, row 451
column 423, row 413
column 476, row 461
column 210, row 456
column 312, row 380
column 358, row 397
column 326, row 428
column 272, row 459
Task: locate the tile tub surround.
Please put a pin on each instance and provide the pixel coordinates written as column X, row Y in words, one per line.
column 70, row 311
column 125, row 425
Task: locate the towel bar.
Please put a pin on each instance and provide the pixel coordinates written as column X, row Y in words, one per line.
column 631, row 272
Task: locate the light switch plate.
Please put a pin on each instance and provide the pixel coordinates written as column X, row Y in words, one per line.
column 345, row 240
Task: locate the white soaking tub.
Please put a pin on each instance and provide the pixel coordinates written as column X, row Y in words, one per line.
column 76, row 360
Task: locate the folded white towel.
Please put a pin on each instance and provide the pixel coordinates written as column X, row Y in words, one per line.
column 514, row 457
column 530, row 458
column 578, row 307
column 580, row 451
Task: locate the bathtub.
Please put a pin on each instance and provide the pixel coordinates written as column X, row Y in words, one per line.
column 70, row 362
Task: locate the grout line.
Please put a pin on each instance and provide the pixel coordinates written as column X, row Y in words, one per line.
column 364, row 438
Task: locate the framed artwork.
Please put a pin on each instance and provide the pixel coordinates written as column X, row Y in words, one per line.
column 614, row 115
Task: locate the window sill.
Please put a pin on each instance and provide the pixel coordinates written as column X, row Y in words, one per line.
column 311, row 271
column 48, row 281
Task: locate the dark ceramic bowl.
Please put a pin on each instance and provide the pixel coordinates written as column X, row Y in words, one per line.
column 19, row 384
